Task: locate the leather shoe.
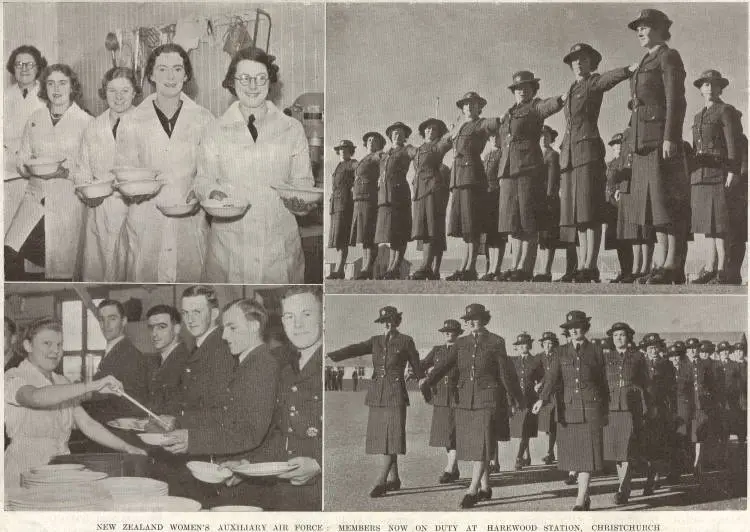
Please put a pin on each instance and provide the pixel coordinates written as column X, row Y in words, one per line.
column 448, row 476
column 487, row 277
column 549, row 459
column 704, row 277
column 364, row 276
column 378, row 491
column 421, row 275
column 458, row 275
column 520, row 276
column 469, row 275
column 585, row 507
column 519, row 464
column 620, row 498
column 566, row 278
column 504, row 276
column 468, row 501
column 542, row 278
column 393, row 485
column 493, row 468
column 484, row 495
column 572, row 480
column 663, row 276
column 335, row 275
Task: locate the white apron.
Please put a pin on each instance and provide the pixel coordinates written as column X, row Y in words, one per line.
column 159, row 248
column 62, row 211
column 264, row 245
column 104, row 223
column 36, row 435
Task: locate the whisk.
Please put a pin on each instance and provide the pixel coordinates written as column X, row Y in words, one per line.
column 112, row 45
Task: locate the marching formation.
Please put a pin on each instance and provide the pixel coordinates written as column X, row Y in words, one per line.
column 656, row 192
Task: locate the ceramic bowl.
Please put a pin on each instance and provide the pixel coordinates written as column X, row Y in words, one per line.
column 225, row 208
column 179, row 209
column 130, row 173
column 43, row 166
column 144, row 187
column 100, row 189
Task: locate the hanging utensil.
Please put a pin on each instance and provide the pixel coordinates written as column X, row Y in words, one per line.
column 112, row 45
column 156, row 418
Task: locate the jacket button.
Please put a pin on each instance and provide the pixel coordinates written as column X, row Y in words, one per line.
column 290, row 429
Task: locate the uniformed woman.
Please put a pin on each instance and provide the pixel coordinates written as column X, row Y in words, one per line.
column 468, row 181
column 365, row 195
column 582, row 156
column 494, row 243
column 522, row 176
column 658, row 171
column 387, row 397
column 546, row 416
column 698, row 390
column 393, row 226
column 444, row 399
column 579, row 373
column 627, row 378
column 725, row 386
column 430, row 194
column 715, row 173
column 524, row 424
column 740, row 388
column 342, row 205
column 484, row 375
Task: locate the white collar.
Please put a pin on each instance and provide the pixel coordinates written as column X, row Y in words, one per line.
column 112, row 344
column 168, row 351
column 307, row 353
column 243, row 355
column 202, row 338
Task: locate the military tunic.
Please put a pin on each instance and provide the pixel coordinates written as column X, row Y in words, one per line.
column 546, row 415
column 430, row 193
column 444, row 399
column 492, row 170
column 627, row 377
column 387, row 396
column 549, row 208
column 165, row 377
column 365, row 195
column 695, row 402
column 393, row 225
column 342, row 204
column 530, row 370
column 655, row 438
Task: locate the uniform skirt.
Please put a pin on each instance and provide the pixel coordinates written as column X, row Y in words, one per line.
column 475, row 434
column 622, row 436
column 524, row 424
column 582, row 196
column 363, row 223
column 581, row 445
column 628, row 228
column 341, row 228
column 709, row 210
column 609, row 217
column 701, row 427
column 429, row 219
column 546, row 418
column 386, row 430
column 468, row 215
column 393, row 225
column 548, row 221
column 443, row 428
column 519, row 201
column 493, row 238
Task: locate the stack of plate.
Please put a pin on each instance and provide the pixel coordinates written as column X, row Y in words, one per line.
column 125, row 488
column 156, row 504
column 62, row 478
column 56, row 499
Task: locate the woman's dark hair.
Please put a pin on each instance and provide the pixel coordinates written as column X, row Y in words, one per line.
column 396, row 321
column 253, row 311
column 41, row 62
column 251, row 54
column 168, row 49
column 39, row 325
column 76, row 91
column 663, row 29
column 119, row 72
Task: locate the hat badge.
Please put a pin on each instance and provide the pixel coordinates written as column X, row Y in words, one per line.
column 570, row 317
column 311, row 432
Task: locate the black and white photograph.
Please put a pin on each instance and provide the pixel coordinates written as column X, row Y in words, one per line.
column 573, row 148
column 163, row 142
column 535, row 403
column 163, row 398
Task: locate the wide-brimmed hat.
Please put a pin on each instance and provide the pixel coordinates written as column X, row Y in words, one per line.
column 523, row 339
column 433, row 122
column 551, row 132
column 724, row 346
column 692, row 343
column 549, row 335
column 475, row 311
column 375, row 134
column 739, row 346
column 681, row 345
column 396, row 125
column 575, row 318
column 621, row 326
column 707, row 346
column 388, row 314
column 583, row 48
column 652, row 339
column 471, row 96
column 713, row 76
column 521, row 77
column 344, row 144
column 616, row 139
column 451, row 326
column 651, row 16
column 675, row 350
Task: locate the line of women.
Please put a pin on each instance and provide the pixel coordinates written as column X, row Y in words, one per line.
column 55, row 233
column 651, row 408
column 545, row 200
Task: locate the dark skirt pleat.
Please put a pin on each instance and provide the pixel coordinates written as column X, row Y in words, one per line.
column 386, row 430
column 709, row 210
column 393, row 224
column 443, row 428
column 363, row 223
column 519, row 200
column 340, row 228
column 475, row 435
column 429, row 220
column 621, row 437
column 546, row 417
column 524, row 424
column 659, row 190
column 582, row 195
column 580, row 447
column 468, row 214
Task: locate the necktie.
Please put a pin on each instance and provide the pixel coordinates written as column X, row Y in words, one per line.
column 236, row 361
column 25, row 92
column 296, row 356
column 251, row 127
column 114, row 128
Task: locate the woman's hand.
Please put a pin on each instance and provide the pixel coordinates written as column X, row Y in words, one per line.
column 537, row 387
column 23, row 171
column 231, row 464
column 730, row 180
column 177, row 441
column 217, row 195
column 153, row 426
column 617, row 195
column 308, row 469
column 632, row 68
column 108, row 385
column 669, row 149
column 191, row 197
column 537, row 407
column 132, row 449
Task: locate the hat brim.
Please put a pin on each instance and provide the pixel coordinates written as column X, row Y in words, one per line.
column 634, row 24
column 613, row 142
column 526, row 342
column 575, row 323
column 450, row 329
column 443, row 129
column 386, row 319
column 628, row 330
column 463, row 101
column 534, row 81
column 344, row 147
column 407, row 130
column 373, row 134
column 723, row 82
column 474, row 316
column 595, row 56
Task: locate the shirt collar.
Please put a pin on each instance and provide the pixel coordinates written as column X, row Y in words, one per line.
column 202, row 338
column 168, row 351
column 308, row 353
column 112, row 344
column 242, row 356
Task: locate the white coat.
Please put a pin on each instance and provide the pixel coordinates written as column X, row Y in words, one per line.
column 264, row 245
column 158, row 248
column 62, row 210
column 105, row 222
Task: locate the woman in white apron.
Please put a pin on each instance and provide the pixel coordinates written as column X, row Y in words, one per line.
column 41, row 406
column 105, row 219
column 163, row 133
column 52, row 131
column 251, row 147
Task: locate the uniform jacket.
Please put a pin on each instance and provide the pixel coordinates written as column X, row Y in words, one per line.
column 366, row 175
column 734, row 384
column 716, row 144
column 530, row 370
column 661, row 376
column 552, row 163
column 582, row 143
column 394, row 189
column 131, row 368
column 627, row 378
column 581, row 378
column 521, row 128
column 468, row 144
column 389, row 359
column 657, row 91
column 485, row 373
column 240, row 421
column 341, row 186
column 492, row 169
column 445, row 391
column 428, row 160
column 164, row 383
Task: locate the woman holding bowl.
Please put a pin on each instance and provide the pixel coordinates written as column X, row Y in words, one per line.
column 105, row 218
column 46, row 227
column 163, row 134
column 243, row 154
column 42, row 407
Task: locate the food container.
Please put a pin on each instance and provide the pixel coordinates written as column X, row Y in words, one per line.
column 300, row 201
column 43, row 166
column 144, row 187
column 131, row 173
column 208, row 472
column 100, row 189
column 179, row 209
column 225, row 208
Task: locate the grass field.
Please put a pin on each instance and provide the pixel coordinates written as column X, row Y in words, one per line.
column 350, row 473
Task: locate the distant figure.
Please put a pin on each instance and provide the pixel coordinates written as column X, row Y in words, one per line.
column 340, row 379
column 355, row 380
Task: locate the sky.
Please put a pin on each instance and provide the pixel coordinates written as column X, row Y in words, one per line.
column 349, row 318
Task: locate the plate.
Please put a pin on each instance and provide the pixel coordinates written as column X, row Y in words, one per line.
column 119, row 487
column 157, row 504
column 43, row 166
column 128, row 423
column 154, row 438
column 208, row 472
column 180, row 209
column 236, row 509
column 266, row 469
column 52, row 468
column 225, row 208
